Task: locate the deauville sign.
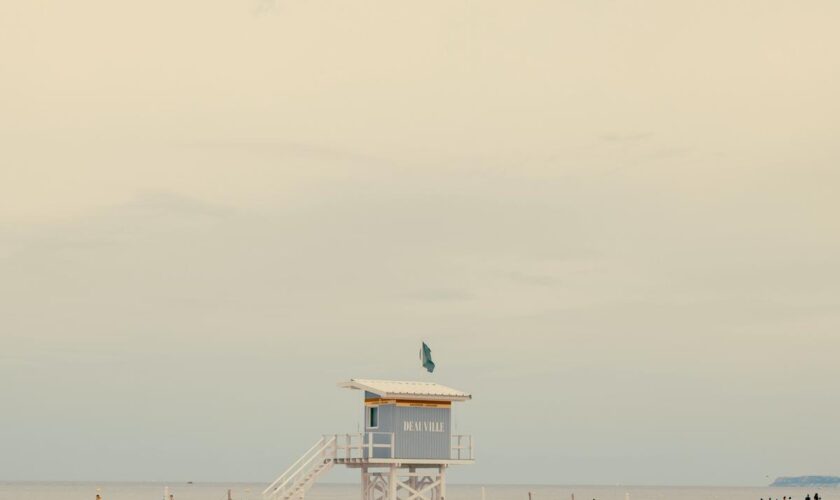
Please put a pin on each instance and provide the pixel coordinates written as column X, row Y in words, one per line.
column 422, row 426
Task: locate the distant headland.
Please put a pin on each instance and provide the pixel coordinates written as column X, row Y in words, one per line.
column 807, row 481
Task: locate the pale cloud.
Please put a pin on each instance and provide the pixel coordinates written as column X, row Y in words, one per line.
column 624, row 214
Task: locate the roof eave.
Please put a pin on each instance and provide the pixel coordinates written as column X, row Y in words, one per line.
column 354, row 384
column 430, row 397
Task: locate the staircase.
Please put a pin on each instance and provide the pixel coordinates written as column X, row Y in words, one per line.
column 296, row 481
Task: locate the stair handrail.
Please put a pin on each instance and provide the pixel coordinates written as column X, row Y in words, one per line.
column 314, row 473
column 294, row 468
column 302, row 468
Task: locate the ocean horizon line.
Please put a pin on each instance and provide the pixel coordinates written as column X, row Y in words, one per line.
column 351, row 483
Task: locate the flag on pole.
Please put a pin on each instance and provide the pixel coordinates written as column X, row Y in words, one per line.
column 426, row 358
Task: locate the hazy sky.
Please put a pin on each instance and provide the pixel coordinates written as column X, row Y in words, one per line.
column 615, row 222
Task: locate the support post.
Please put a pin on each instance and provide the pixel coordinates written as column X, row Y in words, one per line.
column 364, row 483
column 442, row 476
column 392, row 483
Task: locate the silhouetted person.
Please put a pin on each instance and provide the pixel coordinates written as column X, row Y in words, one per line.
column 808, row 496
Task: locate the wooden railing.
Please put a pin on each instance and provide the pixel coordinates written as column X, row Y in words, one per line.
column 462, row 447
column 367, row 445
column 361, row 445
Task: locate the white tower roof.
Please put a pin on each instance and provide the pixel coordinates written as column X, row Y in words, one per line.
column 396, row 389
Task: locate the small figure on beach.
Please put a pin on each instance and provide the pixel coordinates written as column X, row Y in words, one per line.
column 808, row 496
column 817, row 496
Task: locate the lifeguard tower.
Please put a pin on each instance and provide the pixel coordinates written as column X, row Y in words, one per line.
column 403, row 453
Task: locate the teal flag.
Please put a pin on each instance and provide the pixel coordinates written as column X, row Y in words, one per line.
column 426, row 358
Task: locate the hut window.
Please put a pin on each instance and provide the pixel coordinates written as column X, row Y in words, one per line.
column 373, row 417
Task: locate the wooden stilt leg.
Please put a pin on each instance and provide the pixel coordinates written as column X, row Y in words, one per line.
column 442, row 473
column 392, row 483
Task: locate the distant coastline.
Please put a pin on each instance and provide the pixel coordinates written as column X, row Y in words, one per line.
column 807, row 481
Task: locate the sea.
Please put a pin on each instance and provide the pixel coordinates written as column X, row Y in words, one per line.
column 249, row 491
